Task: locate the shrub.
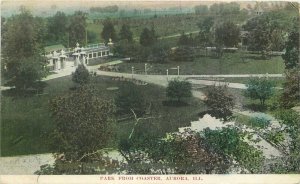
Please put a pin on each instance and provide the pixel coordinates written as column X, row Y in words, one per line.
column 179, row 89
column 259, row 121
column 220, row 101
column 81, row 75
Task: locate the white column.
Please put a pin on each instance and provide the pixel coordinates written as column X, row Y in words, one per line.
column 54, row 64
column 87, row 60
column 62, row 63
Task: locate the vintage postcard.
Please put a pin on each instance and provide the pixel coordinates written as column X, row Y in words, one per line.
column 99, row 91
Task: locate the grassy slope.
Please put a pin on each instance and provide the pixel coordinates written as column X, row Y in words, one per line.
column 228, row 64
column 26, row 122
column 163, row 25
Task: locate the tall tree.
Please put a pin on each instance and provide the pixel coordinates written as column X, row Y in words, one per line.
column 125, row 33
column 83, row 123
column 57, row 28
column 205, row 36
column 22, row 50
column 148, row 37
column 227, row 34
column 108, row 31
column 77, row 29
column 260, row 37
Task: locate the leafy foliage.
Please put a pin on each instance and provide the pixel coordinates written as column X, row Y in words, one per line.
column 179, row 89
column 229, row 141
column 81, row 75
column 220, row 101
column 259, row 88
column 176, row 153
column 83, row 123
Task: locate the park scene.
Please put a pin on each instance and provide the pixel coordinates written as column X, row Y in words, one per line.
column 100, row 87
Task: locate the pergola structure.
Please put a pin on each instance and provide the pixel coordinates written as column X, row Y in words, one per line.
column 81, row 55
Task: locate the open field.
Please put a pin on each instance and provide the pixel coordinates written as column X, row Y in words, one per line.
column 26, row 121
column 164, row 25
column 228, row 64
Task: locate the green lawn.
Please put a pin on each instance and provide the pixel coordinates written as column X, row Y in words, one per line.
column 278, row 81
column 230, row 63
column 26, row 121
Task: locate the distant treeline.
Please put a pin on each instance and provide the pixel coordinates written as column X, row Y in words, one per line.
column 218, row 8
column 107, row 9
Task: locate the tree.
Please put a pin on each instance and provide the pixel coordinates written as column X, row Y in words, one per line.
column 227, row 34
column 108, row 31
column 24, row 42
column 81, row 75
column 124, row 48
column 179, row 89
column 125, row 33
column 291, row 56
column 147, row 37
column 205, row 37
column 259, row 88
column 83, row 123
column 206, row 24
column 130, row 98
column 260, row 37
column 220, row 101
column 77, row 28
column 57, row 28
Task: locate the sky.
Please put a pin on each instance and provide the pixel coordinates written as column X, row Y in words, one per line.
column 12, row 6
